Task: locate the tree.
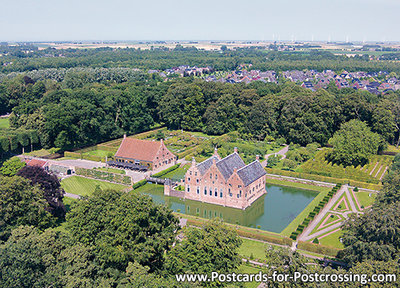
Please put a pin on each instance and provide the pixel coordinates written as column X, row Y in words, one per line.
column 123, row 227
column 22, row 204
column 375, row 235
column 354, row 143
column 11, row 167
column 212, row 248
column 49, row 183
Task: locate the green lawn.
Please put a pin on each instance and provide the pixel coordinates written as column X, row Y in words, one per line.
column 333, row 240
column 111, row 170
column 364, row 199
column 178, row 173
column 100, row 153
column 4, row 123
column 84, row 186
column 68, row 202
column 38, row 153
column 247, row 269
column 252, row 249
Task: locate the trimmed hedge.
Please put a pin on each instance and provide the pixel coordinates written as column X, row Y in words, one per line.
column 102, row 175
column 324, row 178
column 139, row 184
column 245, row 232
column 166, row 171
column 313, row 213
column 318, row 248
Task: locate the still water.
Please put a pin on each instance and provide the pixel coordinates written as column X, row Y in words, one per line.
column 272, row 212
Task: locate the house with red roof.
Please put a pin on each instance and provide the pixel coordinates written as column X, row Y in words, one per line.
column 152, row 154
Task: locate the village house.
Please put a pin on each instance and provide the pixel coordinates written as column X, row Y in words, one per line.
column 227, row 182
column 152, row 154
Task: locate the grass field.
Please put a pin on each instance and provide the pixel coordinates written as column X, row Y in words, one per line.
column 252, row 249
column 38, row 153
column 100, row 153
column 4, row 123
column 68, row 202
column 247, row 269
column 364, row 199
column 84, row 186
column 178, row 173
column 332, row 240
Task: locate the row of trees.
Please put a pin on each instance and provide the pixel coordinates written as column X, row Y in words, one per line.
column 93, row 112
column 164, row 58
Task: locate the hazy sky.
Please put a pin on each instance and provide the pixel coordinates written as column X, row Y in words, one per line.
column 41, row 20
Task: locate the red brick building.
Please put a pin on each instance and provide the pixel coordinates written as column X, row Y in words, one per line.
column 228, row 181
column 153, row 154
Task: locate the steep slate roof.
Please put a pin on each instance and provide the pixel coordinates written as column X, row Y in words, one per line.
column 251, row 172
column 205, row 165
column 227, row 164
column 248, row 173
column 138, row 149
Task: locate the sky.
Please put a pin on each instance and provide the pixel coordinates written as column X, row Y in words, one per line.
column 71, row 20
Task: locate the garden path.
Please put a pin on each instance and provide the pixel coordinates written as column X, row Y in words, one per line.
column 281, row 152
column 308, row 235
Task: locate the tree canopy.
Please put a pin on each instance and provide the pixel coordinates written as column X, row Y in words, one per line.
column 354, row 143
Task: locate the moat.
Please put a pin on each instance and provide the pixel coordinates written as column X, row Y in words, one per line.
column 272, row 212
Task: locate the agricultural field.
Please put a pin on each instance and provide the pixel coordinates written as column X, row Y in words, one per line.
column 84, row 186
column 4, row 123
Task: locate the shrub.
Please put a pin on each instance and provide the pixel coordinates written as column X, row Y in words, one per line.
column 139, row 184
column 102, row 175
column 166, row 171
column 315, row 241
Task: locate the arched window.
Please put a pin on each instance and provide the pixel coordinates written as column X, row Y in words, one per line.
column 221, row 194
column 205, row 190
column 216, row 192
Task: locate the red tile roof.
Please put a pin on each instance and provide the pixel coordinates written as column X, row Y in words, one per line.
column 138, row 149
column 36, row 162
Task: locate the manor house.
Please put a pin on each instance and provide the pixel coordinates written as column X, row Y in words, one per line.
column 228, row 181
column 152, row 154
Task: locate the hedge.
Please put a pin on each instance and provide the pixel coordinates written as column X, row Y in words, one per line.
column 102, row 175
column 324, row 178
column 166, row 171
column 244, row 232
column 139, row 184
column 318, row 248
column 312, row 214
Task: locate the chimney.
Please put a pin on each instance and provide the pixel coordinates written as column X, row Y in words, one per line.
column 257, row 157
column 193, row 161
column 216, row 152
column 162, row 141
column 235, row 150
column 124, row 136
column 235, row 170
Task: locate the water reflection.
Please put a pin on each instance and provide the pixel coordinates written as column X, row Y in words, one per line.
column 272, row 212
